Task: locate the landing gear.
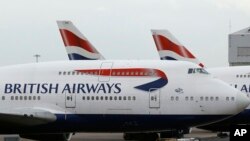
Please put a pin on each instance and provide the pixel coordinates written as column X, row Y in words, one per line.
column 141, row 136
column 172, row 134
column 222, row 134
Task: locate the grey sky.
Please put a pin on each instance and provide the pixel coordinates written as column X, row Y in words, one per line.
column 119, row 29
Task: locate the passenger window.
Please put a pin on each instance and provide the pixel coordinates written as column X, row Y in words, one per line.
column 3, row 97
column 124, row 98
column 227, row 98
column 106, row 98
column 206, row 98
column 96, row 98
column 88, row 98
column 30, row 98
column 186, row 98
column 34, row 97
column 217, row 98
column 191, row 98
column 83, row 98
column 21, row 97
column 129, row 98
column 115, row 98
column 16, row 97
column 38, row 98
column 172, row 98
column 60, row 73
column 92, row 98
column 101, row 97
column 177, row 98
column 201, row 98
column 134, row 98
column 73, row 73
column 110, row 98
column 212, row 98
column 120, row 98
column 232, row 98
column 12, row 97
column 25, row 97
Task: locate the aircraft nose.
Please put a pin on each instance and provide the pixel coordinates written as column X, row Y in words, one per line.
column 242, row 101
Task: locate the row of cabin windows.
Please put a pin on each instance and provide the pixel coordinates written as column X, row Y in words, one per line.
column 114, row 73
column 186, row 98
column 108, row 98
column 228, row 98
column 77, row 73
column 243, row 76
column 23, row 98
column 202, row 98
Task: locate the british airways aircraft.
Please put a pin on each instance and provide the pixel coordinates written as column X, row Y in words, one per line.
column 168, row 47
column 68, row 26
column 49, row 101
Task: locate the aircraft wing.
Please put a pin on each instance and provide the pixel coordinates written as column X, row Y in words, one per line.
column 26, row 116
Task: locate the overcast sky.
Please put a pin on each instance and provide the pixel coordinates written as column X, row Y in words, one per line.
column 119, row 29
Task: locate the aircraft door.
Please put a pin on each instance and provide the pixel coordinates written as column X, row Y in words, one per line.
column 70, row 100
column 105, row 71
column 154, row 98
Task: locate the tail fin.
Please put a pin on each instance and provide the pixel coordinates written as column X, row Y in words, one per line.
column 169, row 48
column 77, row 46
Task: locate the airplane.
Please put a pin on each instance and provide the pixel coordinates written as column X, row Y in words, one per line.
column 236, row 76
column 52, row 100
column 77, row 45
column 172, row 53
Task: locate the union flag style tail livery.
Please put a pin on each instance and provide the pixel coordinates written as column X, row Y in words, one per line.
column 77, row 46
column 169, row 48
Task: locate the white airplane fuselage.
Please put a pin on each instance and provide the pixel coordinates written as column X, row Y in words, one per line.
column 237, row 77
column 111, row 96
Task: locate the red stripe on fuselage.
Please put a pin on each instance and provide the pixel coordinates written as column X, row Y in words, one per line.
column 138, row 72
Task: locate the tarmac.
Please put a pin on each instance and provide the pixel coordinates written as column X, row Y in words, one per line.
column 203, row 135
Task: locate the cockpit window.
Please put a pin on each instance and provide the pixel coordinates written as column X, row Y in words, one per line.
column 197, row 70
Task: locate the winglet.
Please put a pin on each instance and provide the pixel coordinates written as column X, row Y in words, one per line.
column 77, row 46
column 169, row 48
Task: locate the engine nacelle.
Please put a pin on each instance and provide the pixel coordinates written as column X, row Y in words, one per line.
column 48, row 137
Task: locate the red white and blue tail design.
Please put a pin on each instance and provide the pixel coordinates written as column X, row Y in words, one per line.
column 169, row 48
column 77, row 46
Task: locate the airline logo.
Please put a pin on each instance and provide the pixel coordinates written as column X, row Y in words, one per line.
column 170, row 48
column 134, row 73
column 77, row 46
